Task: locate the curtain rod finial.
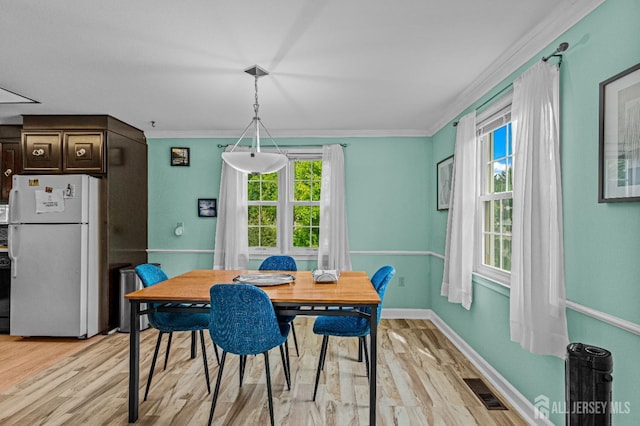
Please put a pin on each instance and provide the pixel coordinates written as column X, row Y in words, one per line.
column 561, row 48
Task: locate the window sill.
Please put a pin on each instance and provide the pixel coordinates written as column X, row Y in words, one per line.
column 495, row 275
column 261, row 255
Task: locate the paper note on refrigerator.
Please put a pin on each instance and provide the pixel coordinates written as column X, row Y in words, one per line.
column 50, row 201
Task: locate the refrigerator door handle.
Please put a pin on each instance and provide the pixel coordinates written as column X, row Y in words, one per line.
column 13, row 203
column 12, row 253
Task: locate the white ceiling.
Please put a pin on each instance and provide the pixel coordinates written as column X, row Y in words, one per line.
column 337, row 67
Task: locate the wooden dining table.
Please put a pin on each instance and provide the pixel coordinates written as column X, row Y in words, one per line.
column 352, row 295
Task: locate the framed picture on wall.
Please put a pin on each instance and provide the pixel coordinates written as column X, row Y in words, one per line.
column 179, row 156
column 619, row 150
column 207, row 207
column 444, row 177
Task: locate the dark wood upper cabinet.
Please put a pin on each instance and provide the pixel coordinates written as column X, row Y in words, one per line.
column 64, row 151
column 10, row 158
column 42, row 151
column 11, row 165
column 83, row 152
column 72, row 143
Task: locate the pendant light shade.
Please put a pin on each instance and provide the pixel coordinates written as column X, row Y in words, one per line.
column 255, row 161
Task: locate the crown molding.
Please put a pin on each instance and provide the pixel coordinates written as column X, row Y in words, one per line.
column 194, row 134
column 564, row 16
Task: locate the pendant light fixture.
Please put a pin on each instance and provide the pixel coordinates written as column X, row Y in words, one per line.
column 254, row 160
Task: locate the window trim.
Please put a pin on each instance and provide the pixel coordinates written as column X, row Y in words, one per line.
column 498, row 112
column 284, row 226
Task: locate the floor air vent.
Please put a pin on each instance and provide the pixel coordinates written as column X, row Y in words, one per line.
column 490, row 401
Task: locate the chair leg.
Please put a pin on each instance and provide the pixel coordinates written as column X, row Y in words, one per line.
column 204, row 361
column 285, row 366
column 153, row 363
column 295, row 338
column 363, row 342
column 215, row 349
column 323, row 351
column 360, row 350
column 166, row 355
column 325, row 342
column 270, row 395
column 217, row 388
column 194, row 345
column 286, row 353
column 243, row 363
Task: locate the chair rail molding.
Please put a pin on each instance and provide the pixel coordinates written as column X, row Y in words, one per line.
column 365, row 252
column 623, row 324
column 180, row 251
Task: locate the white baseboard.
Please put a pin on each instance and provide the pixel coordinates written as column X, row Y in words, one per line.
column 406, row 313
column 521, row 404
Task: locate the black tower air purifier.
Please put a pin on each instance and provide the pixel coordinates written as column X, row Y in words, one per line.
column 588, row 385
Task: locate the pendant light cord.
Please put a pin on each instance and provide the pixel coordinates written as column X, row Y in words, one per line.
column 256, row 105
column 256, row 122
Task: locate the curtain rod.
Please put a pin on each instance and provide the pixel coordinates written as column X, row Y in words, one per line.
column 557, row 54
column 500, row 92
column 344, row 145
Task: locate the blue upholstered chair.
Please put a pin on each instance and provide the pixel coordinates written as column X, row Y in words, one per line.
column 351, row 326
column 282, row 263
column 279, row 263
column 244, row 322
column 168, row 322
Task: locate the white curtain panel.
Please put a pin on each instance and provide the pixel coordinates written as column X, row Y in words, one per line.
column 538, row 320
column 458, row 255
column 333, row 250
column 232, row 241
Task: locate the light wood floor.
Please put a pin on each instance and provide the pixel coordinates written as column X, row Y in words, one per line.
column 419, row 383
column 21, row 357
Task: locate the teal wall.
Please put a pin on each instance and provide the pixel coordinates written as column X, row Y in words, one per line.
column 391, row 184
column 387, row 207
column 602, row 242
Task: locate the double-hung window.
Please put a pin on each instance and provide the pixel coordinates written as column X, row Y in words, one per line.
column 284, row 207
column 495, row 201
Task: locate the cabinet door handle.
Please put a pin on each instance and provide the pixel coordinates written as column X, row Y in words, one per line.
column 37, row 152
column 8, row 172
column 81, row 152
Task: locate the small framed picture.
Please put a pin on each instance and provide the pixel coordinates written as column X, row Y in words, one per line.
column 619, row 153
column 444, row 180
column 207, row 207
column 179, row 156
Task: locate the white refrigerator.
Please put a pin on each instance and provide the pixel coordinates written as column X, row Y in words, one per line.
column 54, row 246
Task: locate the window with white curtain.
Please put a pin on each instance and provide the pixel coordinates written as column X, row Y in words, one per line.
column 495, row 195
column 284, row 207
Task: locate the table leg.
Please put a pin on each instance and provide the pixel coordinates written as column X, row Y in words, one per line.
column 134, row 360
column 194, row 346
column 373, row 364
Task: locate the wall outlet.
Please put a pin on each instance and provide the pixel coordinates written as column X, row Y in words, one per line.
column 400, row 281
